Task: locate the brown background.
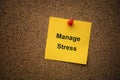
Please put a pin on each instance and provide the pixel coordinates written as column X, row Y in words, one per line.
column 23, row 33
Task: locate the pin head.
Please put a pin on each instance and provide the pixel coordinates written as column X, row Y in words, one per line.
column 70, row 22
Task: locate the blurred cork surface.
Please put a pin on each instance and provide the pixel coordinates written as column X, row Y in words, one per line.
column 23, row 34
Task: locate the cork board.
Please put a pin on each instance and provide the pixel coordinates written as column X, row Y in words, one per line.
column 23, row 33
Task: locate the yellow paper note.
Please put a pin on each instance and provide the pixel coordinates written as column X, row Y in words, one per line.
column 68, row 43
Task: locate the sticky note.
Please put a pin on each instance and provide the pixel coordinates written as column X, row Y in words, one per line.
column 68, row 44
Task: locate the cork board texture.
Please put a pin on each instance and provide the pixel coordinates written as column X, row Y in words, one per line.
column 23, row 34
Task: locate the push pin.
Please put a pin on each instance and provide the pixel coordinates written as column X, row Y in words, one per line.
column 70, row 22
